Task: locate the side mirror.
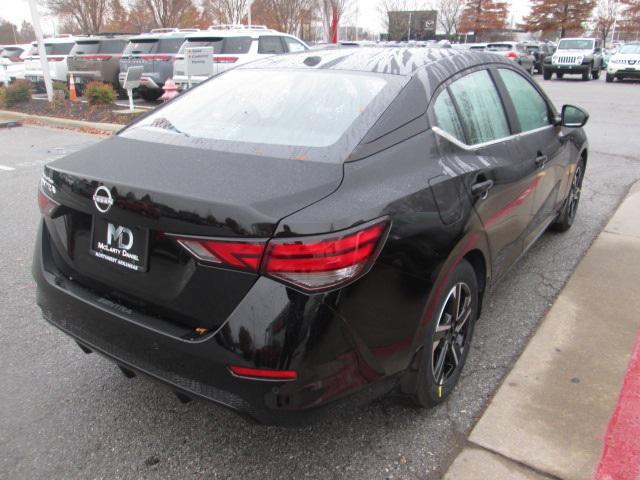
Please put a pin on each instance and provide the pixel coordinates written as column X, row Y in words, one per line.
column 573, row 117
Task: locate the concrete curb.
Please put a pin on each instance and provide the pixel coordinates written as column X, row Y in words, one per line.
column 549, row 417
column 61, row 122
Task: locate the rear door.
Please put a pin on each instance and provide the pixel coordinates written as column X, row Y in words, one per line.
column 480, row 145
column 539, row 142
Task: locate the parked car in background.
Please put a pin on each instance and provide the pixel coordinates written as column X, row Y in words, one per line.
column 581, row 56
column 233, row 46
column 308, row 226
column 540, row 51
column 12, row 62
column 625, row 63
column 97, row 58
column 156, row 52
column 515, row 51
column 57, row 50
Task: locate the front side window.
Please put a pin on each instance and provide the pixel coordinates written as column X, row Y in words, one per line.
column 480, row 107
column 270, row 45
column 447, row 117
column 294, row 45
column 532, row 110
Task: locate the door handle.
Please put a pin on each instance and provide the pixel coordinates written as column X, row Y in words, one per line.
column 481, row 189
column 542, row 160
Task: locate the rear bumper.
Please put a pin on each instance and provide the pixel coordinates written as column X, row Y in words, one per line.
column 272, row 327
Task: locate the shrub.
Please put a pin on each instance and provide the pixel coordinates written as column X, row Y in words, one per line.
column 18, row 92
column 60, row 87
column 3, row 97
column 98, row 93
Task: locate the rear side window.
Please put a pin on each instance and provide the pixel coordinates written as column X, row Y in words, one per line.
column 237, row 45
column 480, row 107
column 447, row 117
column 293, row 45
column 270, row 45
column 532, row 110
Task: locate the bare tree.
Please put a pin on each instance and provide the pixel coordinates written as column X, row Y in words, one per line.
column 605, row 18
column 288, row 15
column 449, row 13
column 332, row 11
column 87, row 15
column 170, row 13
column 227, row 11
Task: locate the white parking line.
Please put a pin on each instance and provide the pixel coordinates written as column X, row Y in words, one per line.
column 8, row 169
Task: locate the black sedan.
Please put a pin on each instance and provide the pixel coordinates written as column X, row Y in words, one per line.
column 309, row 226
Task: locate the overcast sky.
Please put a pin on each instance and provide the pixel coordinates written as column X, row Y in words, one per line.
column 367, row 13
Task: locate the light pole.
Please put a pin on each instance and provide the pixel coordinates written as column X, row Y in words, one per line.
column 409, row 34
column 44, row 63
column 249, row 14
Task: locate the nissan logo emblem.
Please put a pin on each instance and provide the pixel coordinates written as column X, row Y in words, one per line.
column 102, row 199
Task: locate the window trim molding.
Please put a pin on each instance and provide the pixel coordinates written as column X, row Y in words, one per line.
column 479, row 146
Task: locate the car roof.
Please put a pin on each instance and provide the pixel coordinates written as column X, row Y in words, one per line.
column 158, row 36
column 49, row 41
column 235, row 32
column 396, row 60
column 106, row 37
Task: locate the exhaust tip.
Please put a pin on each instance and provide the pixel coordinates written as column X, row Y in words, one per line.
column 86, row 350
column 183, row 397
column 127, row 372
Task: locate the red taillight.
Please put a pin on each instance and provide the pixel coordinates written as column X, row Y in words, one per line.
column 262, row 373
column 242, row 255
column 225, row 59
column 55, row 59
column 157, row 57
column 315, row 264
column 46, row 204
column 97, row 57
column 512, row 54
column 312, row 264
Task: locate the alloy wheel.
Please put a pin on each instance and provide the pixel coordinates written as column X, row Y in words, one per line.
column 451, row 333
column 576, row 190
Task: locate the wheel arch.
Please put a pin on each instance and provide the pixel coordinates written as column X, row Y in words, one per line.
column 478, row 261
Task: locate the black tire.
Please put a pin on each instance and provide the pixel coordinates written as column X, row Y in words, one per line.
column 586, row 75
column 610, row 78
column 559, row 75
column 151, row 95
column 568, row 213
column 441, row 364
column 546, row 74
column 596, row 74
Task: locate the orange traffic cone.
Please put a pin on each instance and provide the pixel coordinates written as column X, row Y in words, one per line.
column 72, row 89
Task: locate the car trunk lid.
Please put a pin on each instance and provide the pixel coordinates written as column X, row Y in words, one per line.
column 174, row 191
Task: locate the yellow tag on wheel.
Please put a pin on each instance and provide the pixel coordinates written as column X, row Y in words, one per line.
column 440, row 391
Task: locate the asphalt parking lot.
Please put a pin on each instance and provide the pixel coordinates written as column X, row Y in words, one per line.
column 64, row 414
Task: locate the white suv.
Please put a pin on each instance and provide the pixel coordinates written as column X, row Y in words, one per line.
column 234, row 45
column 625, row 63
column 57, row 50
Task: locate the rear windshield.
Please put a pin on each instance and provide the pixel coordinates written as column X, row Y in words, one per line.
column 104, row 46
column 154, row 45
column 58, row 48
column 630, row 49
column 10, row 52
column 575, row 44
column 533, row 48
column 499, row 47
column 247, row 110
column 236, row 45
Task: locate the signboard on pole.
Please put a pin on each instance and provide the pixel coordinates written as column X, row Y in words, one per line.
column 131, row 81
column 198, row 62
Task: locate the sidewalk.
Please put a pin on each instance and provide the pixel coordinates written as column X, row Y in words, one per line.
column 104, row 128
column 570, row 407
